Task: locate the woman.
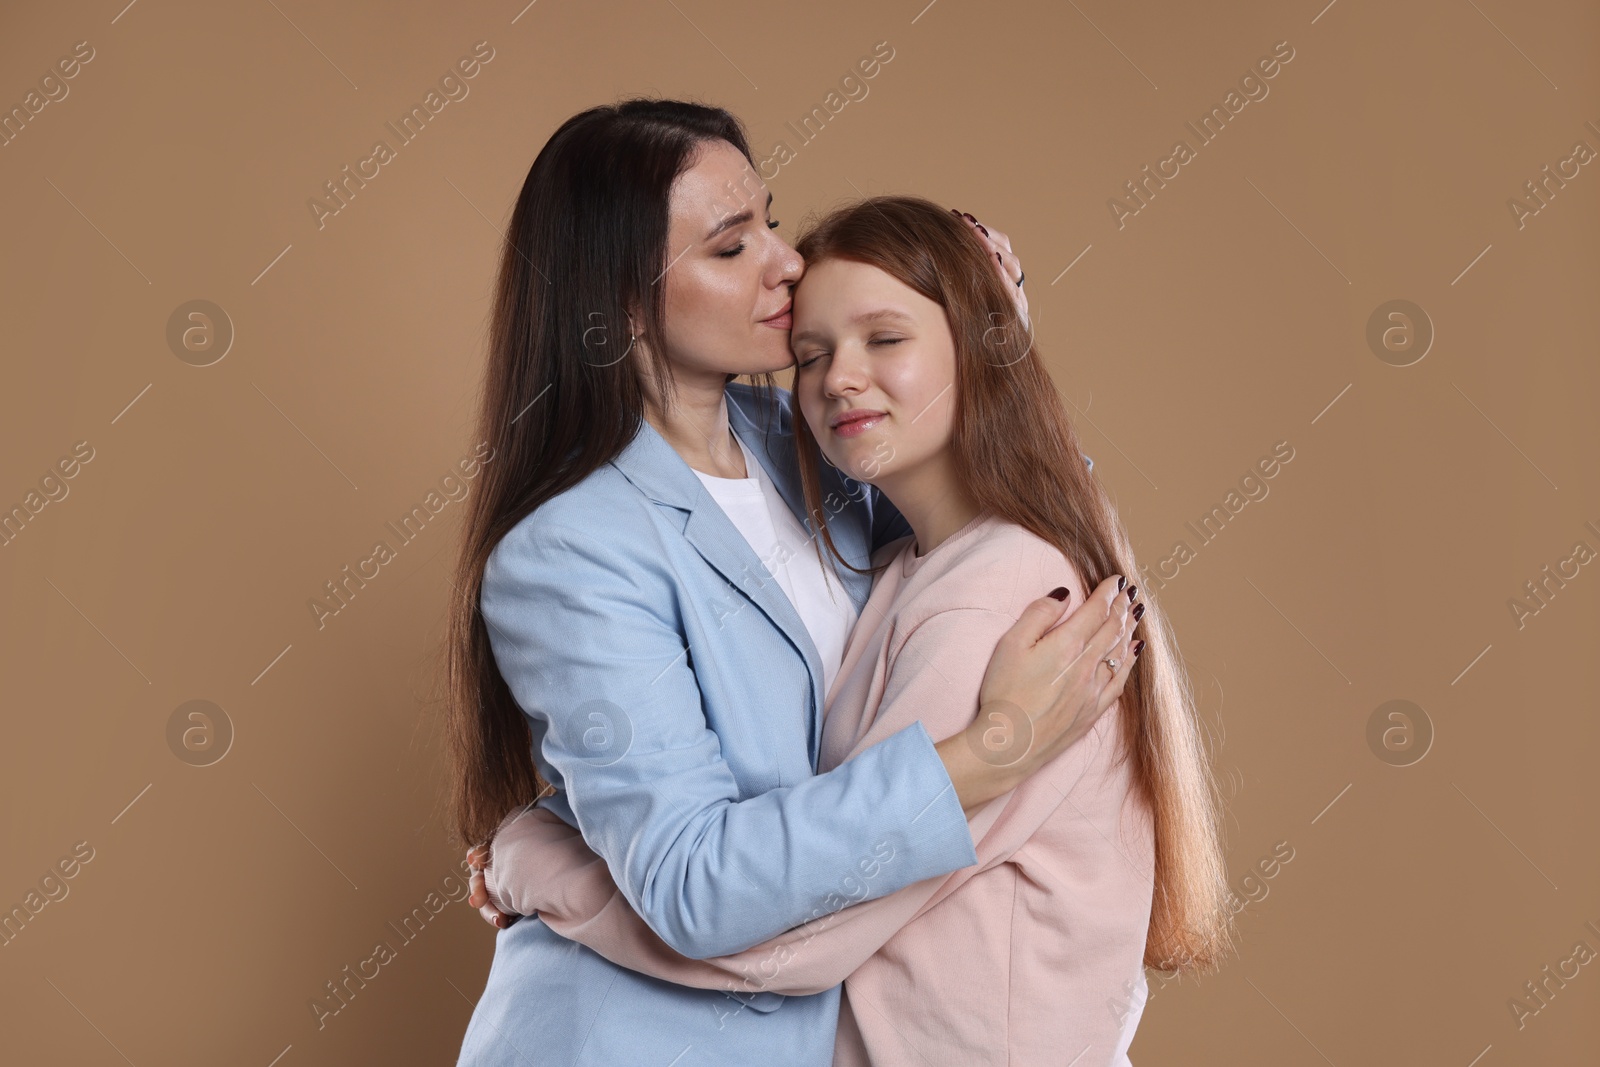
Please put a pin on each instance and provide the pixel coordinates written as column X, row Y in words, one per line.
column 632, row 651
column 1014, row 961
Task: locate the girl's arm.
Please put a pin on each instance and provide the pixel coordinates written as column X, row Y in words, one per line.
column 541, row 866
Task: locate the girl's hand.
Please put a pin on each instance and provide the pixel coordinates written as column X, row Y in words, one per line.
column 1006, row 262
column 477, row 859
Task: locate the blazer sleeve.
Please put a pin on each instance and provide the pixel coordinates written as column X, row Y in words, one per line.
column 539, row 865
column 586, row 635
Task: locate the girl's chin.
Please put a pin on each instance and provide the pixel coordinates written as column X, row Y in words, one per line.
column 854, row 461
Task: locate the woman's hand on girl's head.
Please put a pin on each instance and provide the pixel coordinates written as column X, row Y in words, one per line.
column 998, row 245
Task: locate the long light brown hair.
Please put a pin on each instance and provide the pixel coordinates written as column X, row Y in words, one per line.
column 1014, row 449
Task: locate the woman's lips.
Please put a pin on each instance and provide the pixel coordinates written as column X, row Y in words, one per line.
column 859, row 425
column 783, row 319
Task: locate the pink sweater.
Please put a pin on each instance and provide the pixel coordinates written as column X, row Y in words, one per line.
column 1031, row 957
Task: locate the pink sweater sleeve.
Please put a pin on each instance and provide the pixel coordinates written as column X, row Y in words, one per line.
column 539, row 865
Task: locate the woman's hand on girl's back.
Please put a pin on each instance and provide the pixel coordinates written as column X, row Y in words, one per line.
column 478, row 897
column 1047, row 684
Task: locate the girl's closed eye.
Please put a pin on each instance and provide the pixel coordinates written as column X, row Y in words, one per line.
column 813, row 357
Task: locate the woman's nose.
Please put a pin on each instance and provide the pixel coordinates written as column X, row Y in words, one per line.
column 788, row 265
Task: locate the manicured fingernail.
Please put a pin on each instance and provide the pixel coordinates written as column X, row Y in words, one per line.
column 1133, row 592
column 985, row 230
column 1138, row 613
column 968, row 216
column 1138, row 647
column 1059, row 593
column 1121, row 583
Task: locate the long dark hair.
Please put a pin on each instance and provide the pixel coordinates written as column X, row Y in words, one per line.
column 1015, row 450
column 563, row 395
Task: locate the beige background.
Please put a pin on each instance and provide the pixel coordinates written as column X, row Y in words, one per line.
column 1228, row 315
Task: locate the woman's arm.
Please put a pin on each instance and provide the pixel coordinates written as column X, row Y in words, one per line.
column 541, row 866
column 581, row 627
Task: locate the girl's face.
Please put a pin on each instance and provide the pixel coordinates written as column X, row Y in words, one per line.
column 875, row 371
column 728, row 274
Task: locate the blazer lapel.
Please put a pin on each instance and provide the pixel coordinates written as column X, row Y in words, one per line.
column 654, row 467
column 770, row 438
column 775, row 448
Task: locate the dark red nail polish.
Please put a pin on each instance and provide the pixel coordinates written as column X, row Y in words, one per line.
column 1138, row 647
column 1138, row 613
column 1133, row 592
column 1121, row 583
column 1059, row 593
column 984, row 229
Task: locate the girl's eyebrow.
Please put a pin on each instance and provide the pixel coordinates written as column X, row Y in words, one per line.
column 882, row 315
column 861, row 318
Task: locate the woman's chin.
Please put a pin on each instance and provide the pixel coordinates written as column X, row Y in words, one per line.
column 770, row 353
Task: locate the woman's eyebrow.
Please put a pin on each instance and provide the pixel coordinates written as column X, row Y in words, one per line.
column 730, row 221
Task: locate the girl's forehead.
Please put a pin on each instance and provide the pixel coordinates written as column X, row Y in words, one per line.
column 850, row 284
column 859, row 273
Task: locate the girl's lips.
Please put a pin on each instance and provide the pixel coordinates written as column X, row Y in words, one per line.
column 858, row 426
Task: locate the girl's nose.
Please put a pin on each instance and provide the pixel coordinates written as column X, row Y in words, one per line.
column 844, row 375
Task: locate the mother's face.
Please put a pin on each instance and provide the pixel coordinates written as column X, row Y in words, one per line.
column 728, row 272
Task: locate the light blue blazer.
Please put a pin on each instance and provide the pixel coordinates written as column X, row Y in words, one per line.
column 675, row 699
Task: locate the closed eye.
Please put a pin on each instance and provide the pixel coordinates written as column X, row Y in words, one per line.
column 736, row 249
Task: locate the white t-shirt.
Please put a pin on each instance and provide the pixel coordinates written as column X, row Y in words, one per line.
column 756, row 508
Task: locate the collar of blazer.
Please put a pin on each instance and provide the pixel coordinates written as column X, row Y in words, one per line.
column 654, row 468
